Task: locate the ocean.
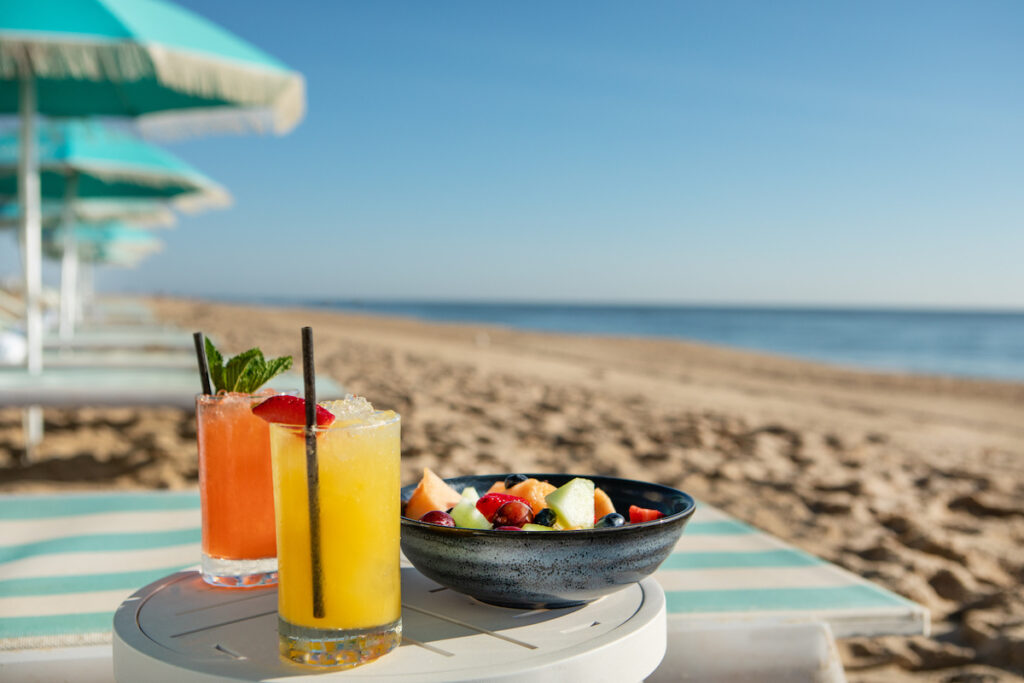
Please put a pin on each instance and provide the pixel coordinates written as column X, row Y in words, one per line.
column 970, row 344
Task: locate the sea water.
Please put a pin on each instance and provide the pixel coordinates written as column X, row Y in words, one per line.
column 964, row 343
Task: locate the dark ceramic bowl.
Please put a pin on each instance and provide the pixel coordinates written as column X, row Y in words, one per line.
column 530, row 569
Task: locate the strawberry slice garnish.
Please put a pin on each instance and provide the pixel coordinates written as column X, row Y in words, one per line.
column 489, row 503
column 290, row 410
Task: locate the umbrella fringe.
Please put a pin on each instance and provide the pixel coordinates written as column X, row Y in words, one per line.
column 143, row 213
column 193, row 202
column 114, row 172
column 114, row 61
column 278, row 96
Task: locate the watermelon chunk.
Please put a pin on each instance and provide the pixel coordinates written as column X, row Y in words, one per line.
column 639, row 514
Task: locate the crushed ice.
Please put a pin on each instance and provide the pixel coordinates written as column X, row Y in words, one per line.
column 350, row 408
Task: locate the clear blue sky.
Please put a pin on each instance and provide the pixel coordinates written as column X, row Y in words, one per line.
column 721, row 152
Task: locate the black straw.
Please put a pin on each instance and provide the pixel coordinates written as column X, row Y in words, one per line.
column 312, row 472
column 204, row 364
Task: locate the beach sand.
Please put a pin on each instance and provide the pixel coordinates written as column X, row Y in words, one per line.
column 916, row 483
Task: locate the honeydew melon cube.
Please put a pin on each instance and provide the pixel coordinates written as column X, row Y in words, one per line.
column 573, row 504
column 530, row 526
column 465, row 513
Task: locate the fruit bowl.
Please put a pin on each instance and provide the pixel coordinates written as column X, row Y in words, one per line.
column 533, row 569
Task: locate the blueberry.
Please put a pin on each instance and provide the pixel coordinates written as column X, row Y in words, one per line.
column 513, row 479
column 545, row 517
column 612, row 519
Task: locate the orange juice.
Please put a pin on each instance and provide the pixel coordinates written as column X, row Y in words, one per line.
column 359, row 512
column 235, row 491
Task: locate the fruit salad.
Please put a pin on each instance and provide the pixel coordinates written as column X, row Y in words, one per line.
column 520, row 503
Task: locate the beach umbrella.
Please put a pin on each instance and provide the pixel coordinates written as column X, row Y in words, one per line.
column 109, row 243
column 87, row 159
column 134, row 212
column 141, row 212
column 129, row 58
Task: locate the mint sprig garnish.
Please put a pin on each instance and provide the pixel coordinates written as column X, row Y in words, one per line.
column 244, row 373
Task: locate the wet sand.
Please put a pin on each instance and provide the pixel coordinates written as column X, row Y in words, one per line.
column 914, row 482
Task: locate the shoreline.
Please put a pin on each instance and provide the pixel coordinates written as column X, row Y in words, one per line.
column 404, row 310
column 757, row 360
column 914, row 482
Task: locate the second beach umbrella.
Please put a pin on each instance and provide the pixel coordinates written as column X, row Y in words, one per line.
column 85, row 159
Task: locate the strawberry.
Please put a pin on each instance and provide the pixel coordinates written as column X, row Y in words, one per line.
column 638, row 514
column 290, row 410
column 489, row 503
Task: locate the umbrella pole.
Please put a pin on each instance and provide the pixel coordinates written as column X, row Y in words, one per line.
column 69, row 260
column 87, row 289
column 28, row 195
column 28, row 191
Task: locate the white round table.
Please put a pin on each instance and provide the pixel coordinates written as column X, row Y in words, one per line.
column 180, row 630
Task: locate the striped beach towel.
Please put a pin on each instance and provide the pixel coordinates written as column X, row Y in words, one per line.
column 68, row 560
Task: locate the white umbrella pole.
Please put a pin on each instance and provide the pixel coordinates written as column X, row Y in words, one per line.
column 87, row 286
column 28, row 195
column 69, row 261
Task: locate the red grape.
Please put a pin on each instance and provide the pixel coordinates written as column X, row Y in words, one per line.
column 438, row 517
column 513, row 513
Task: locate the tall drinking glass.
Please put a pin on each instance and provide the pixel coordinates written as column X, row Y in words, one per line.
column 236, row 491
column 359, row 613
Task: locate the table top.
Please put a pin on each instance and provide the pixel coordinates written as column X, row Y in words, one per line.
column 180, row 629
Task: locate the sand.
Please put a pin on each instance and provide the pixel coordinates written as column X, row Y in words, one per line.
column 914, row 482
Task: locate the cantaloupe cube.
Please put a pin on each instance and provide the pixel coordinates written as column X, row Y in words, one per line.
column 602, row 504
column 534, row 491
column 496, row 487
column 432, row 493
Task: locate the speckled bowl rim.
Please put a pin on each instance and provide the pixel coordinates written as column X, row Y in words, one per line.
column 675, row 517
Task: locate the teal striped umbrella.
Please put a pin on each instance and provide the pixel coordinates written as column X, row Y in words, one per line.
column 84, row 158
column 110, row 243
column 134, row 212
column 140, row 57
column 134, row 58
column 87, row 159
column 141, row 212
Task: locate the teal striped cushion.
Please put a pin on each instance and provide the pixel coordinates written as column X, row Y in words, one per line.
column 67, row 561
column 723, row 569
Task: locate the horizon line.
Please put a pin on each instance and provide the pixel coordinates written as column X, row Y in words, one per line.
column 589, row 303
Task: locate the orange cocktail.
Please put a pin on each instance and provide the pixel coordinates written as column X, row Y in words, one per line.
column 359, row 614
column 236, row 491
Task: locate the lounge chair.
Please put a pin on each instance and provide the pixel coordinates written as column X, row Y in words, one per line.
column 739, row 601
column 83, row 386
